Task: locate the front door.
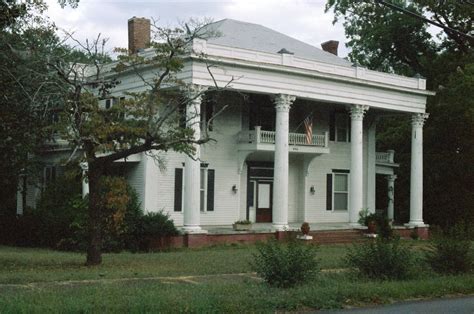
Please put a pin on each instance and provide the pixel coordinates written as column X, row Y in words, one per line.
column 264, row 201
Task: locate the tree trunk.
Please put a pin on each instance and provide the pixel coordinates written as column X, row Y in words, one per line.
column 94, row 250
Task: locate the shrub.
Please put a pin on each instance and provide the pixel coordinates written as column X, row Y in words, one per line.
column 152, row 227
column 365, row 216
column 57, row 209
column 382, row 259
column 450, row 251
column 243, row 222
column 384, row 230
column 157, row 224
column 285, row 264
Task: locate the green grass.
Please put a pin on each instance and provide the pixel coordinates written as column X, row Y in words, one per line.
column 23, row 265
column 213, row 294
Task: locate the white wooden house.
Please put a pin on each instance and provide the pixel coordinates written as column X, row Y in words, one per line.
column 265, row 165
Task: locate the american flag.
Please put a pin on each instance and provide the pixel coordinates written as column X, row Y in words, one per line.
column 308, row 125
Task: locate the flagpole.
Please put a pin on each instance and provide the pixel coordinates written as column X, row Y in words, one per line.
column 302, row 121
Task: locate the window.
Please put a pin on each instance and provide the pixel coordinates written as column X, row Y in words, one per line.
column 203, row 190
column 342, row 127
column 341, row 191
column 207, row 112
column 337, row 196
column 49, row 175
column 110, row 102
column 339, row 127
column 206, row 190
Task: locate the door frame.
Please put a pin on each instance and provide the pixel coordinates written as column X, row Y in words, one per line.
column 264, row 175
column 270, row 183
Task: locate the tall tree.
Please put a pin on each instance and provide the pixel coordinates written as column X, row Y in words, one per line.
column 394, row 36
column 147, row 121
column 28, row 88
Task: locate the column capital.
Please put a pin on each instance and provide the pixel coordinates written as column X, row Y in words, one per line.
column 84, row 166
column 358, row 111
column 194, row 91
column 391, row 178
column 283, row 102
column 418, row 119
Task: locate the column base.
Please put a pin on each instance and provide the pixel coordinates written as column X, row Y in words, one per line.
column 193, row 230
column 413, row 224
column 280, row 227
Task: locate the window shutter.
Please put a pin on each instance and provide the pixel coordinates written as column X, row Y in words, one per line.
column 332, row 126
column 349, row 126
column 210, row 189
column 329, row 191
column 178, row 189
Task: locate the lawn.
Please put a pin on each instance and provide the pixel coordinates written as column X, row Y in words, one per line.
column 205, row 280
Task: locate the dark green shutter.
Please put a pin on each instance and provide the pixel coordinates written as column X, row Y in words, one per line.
column 332, row 126
column 210, row 190
column 349, row 127
column 329, row 191
column 178, row 189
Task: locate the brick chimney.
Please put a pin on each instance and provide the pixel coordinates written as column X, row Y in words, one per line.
column 330, row 46
column 138, row 34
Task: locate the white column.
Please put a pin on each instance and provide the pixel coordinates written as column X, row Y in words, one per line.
column 85, row 184
column 416, row 176
column 356, row 174
column 371, row 171
column 192, row 164
column 391, row 196
column 280, row 175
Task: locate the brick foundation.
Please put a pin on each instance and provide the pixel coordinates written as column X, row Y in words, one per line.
column 406, row 233
column 319, row 237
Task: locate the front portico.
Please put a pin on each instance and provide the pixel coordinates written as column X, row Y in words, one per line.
column 323, row 172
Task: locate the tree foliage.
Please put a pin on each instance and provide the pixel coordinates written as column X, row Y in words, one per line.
column 147, row 119
column 383, row 38
column 30, row 89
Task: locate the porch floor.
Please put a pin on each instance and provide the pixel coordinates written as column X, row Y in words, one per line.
column 267, row 228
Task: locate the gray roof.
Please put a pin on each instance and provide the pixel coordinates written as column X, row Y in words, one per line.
column 251, row 36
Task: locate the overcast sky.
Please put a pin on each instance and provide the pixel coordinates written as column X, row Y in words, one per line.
column 301, row 19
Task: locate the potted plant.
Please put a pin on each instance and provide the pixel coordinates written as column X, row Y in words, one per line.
column 369, row 220
column 305, row 230
column 242, row 225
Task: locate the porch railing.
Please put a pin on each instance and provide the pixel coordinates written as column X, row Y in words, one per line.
column 385, row 157
column 268, row 137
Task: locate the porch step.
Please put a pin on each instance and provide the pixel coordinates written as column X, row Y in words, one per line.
column 337, row 236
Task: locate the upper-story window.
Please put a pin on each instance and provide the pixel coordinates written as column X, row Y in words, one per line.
column 207, row 114
column 342, row 127
column 339, row 127
column 110, row 102
column 49, row 175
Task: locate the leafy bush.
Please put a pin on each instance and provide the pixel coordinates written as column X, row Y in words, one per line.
column 243, row 222
column 382, row 259
column 157, row 224
column 57, row 208
column 384, row 230
column 365, row 216
column 60, row 219
column 285, row 264
column 451, row 251
column 153, row 227
column 19, row 230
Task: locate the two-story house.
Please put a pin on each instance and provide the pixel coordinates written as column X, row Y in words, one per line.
column 300, row 146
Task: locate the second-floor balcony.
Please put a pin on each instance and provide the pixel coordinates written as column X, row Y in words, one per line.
column 386, row 158
column 262, row 140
